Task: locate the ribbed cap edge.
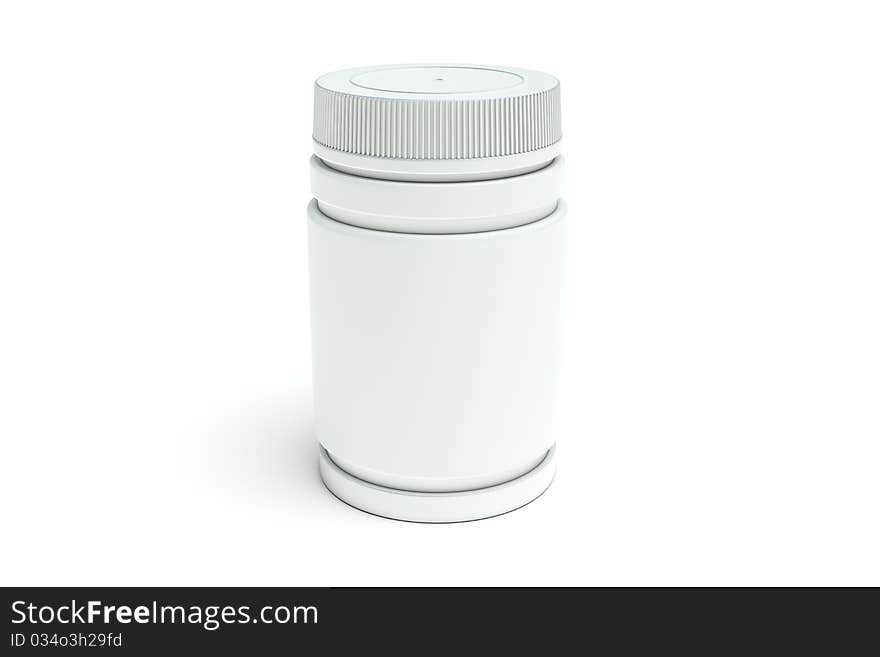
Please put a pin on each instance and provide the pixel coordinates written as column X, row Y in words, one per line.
column 437, row 129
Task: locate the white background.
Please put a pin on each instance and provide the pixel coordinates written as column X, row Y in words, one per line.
column 722, row 390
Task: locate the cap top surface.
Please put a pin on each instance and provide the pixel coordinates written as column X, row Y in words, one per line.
column 436, row 79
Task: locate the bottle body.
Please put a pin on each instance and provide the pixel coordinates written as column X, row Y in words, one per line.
column 436, row 355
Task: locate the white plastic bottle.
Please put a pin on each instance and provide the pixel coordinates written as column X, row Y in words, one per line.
column 435, row 243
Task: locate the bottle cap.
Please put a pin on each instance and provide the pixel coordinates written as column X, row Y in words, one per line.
column 437, row 120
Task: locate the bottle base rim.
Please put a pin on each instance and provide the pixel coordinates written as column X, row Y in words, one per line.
column 438, row 507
